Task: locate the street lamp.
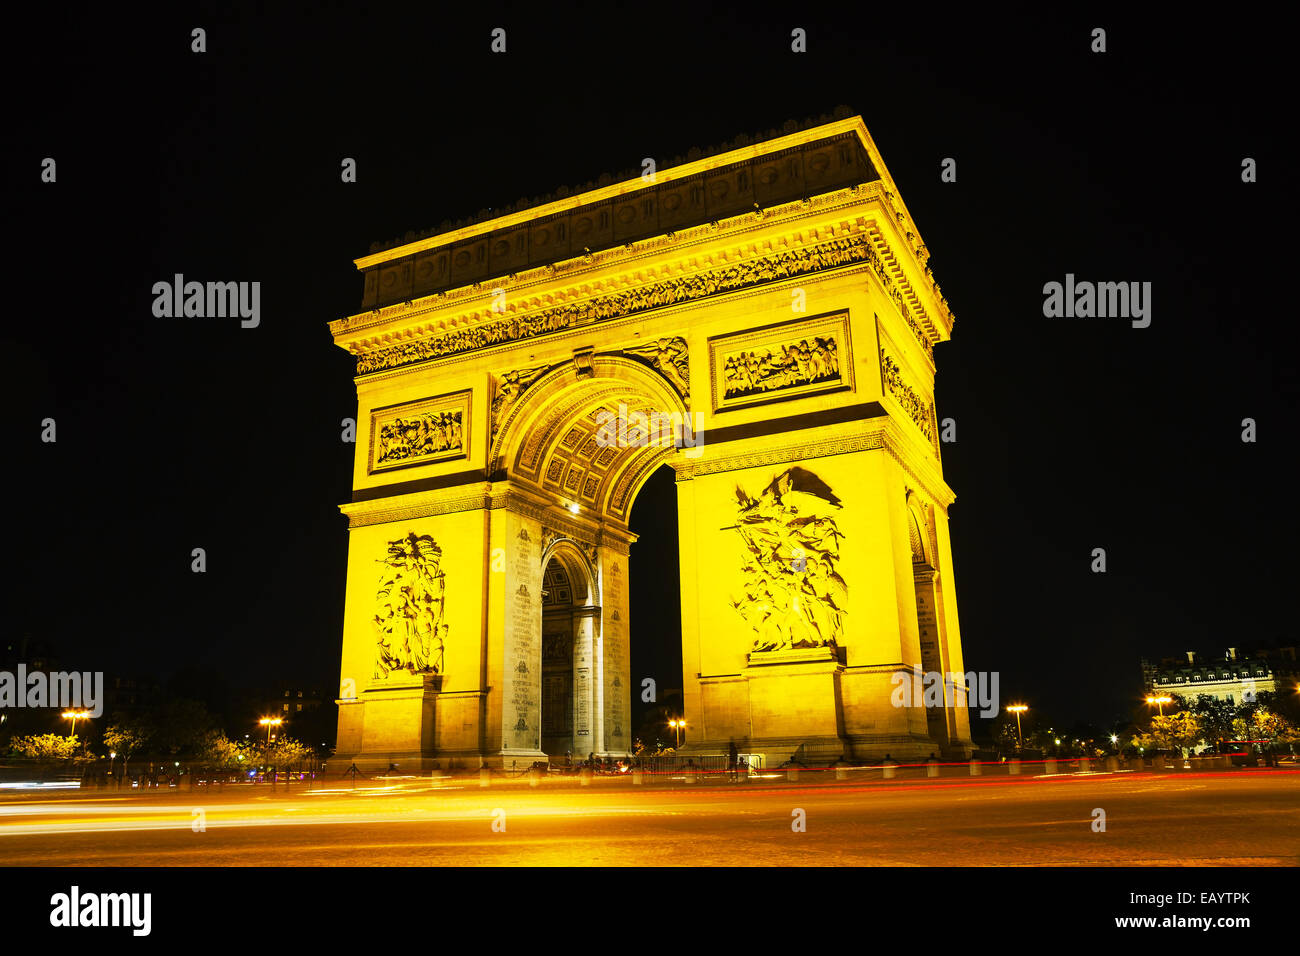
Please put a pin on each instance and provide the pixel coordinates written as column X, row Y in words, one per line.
column 268, row 723
column 1160, row 702
column 1017, row 709
column 74, row 716
column 678, row 726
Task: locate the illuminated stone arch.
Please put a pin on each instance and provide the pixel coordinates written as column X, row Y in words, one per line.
column 549, row 440
column 919, row 533
column 676, row 299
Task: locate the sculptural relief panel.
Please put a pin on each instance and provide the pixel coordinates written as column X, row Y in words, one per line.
column 792, row 594
column 920, row 411
column 419, row 433
column 409, row 604
column 790, row 360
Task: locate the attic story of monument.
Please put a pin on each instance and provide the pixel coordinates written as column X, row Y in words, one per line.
column 774, row 299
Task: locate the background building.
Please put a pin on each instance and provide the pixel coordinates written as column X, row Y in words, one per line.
column 1235, row 676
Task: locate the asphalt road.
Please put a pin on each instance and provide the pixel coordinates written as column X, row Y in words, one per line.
column 1242, row 817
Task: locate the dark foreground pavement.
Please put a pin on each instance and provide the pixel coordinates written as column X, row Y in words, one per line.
column 1233, row 818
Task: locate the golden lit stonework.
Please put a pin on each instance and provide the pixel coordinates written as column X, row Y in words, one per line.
column 775, row 303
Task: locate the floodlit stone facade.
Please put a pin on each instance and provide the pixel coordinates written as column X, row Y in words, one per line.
column 763, row 321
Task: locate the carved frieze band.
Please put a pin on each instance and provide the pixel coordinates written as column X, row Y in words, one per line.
column 750, row 272
column 919, row 410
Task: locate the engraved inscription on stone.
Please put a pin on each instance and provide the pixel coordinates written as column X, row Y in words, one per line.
column 521, row 724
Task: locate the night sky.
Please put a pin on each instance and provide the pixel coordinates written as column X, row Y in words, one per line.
column 1072, row 434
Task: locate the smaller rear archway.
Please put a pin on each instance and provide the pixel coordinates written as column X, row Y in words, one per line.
column 571, row 663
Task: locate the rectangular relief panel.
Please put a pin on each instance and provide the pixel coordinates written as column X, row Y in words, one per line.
column 788, row 360
column 419, row 433
column 898, row 382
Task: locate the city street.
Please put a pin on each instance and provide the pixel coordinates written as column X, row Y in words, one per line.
column 1223, row 818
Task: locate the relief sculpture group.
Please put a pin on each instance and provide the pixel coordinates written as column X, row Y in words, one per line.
column 417, row 437
column 793, row 595
column 409, row 602
column 801, row 363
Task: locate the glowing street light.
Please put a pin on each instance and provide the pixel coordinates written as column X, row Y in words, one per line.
column 678, row 726
column 268, row 723
column 74, row 716
column 1160, row 702
column 1017, row 709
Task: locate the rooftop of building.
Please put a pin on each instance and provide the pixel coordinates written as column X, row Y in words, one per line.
column 692, row 155
column 748, row 175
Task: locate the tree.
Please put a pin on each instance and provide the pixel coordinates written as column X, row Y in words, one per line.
column 1260, row 723
column 1171, row 732
column 225, row 754
column 47, row 747
column 285, row 752
column 180, row 728
column 1215, row 716
column 124, row 739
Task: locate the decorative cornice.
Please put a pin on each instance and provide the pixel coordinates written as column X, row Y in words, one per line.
column 741, row 274
column 807, row 450
column 625, row 257
column 882, row 433
column 423, row 504
column 490, row 497
column 771, row 190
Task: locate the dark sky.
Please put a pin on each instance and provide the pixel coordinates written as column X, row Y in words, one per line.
column 1072, row 434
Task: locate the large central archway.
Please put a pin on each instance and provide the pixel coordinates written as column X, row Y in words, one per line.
column 575, row 443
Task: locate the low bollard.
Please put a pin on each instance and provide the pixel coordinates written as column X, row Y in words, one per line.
column 484, row 777
column 584, row 778
column 1013, row 766
column 1049, row 765
column 636, row 778
column 1112, row 764
column 534, row 778
column 792, row 773
column 887, row 769
column 689, row 778
column 932, row 769
column 975, row 770
column 841, row 773
column 1085, row 764
column 1160, row 763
